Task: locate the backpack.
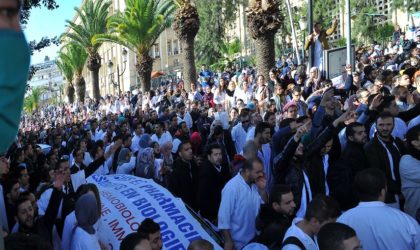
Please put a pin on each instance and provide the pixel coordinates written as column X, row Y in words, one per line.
column 292, row 240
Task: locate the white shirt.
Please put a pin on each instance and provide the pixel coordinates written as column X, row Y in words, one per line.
column 400, row 129
column 165, row 137
column 187, row 119
column 414, row 122
column 265, row 156
column 239, row 136
column 295, row 231
column 69, row 224
column 127, row 168
column 238, row 210
column 135, row 143
column 380, row 227
column 81, row 240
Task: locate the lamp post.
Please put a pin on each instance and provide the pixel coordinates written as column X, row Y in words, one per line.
column 302, row 26
column 111, row 73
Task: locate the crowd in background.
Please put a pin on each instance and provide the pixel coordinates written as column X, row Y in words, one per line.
column 267, row 161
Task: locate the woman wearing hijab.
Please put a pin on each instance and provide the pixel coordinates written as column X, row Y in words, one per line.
column 126, row 163
column 145, row 163
column 71, row 222
column 84, row 235
column 313, row 83
column 144, row 142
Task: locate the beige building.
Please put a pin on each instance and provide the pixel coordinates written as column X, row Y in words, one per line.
column 166, row 53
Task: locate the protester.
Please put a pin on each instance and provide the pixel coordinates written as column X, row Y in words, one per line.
column 377, row 225
column 337, row 236
column 241, row 199
column 298, row 129
column 321, row 210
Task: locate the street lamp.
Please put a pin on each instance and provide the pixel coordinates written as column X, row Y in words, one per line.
column 303, row 25
column 124, row 53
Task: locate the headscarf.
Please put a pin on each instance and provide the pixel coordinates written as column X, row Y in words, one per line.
column 144, row 141
column 166, row 148
column 145, row 163
column 122, row 156
column 196, row 142
column 87, row 212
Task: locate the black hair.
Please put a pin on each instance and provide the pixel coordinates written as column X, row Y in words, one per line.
column 332, row 235
column 384, row 115
column 147, row 227
column 412, row 135
column 350, row 128
column 9, row 183
column 183, row 142
column 131, row 241
column 261, row 126
column 211, row 147
column 286, row 122
column 200, row 244
column 322, row 208
column 369, row 183
column 21, row 200
column 249, row 164
column 277, row 191
column 267, row 115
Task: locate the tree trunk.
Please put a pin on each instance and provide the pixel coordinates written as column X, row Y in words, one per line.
column 188, row 59
column 80, row 88
column 144, row 67
column 94, row 64
column 70, row 93
column 265, row 56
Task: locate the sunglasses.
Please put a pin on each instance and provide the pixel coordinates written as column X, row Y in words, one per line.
column 245, row 121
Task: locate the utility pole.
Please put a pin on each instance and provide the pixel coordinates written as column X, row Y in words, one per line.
column 348, row 32
column 293, row 32
column 310, row 25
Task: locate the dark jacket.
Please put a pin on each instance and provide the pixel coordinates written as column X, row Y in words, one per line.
column 182, row 182
column 210, row 185
column 289, row 169
column 377, row 157
column 272, row 225
column 342, row 172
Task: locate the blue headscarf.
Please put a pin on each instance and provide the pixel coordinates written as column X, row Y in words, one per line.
column 87, row 212
column 144, row 141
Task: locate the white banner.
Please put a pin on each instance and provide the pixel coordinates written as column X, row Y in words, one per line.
column 127, row 200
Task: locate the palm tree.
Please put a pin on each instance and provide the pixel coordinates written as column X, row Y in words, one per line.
column 138, row 28
column 186, row 25
column 67, row 72
column 229, row 51
column 31, row 102
column 93, row 17
column 75, row 56
column 264, row 19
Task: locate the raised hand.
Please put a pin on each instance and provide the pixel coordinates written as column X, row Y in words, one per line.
column 376, row 102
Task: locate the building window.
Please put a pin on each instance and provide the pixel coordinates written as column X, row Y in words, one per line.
column 176, row 47
column 169, row 47
column 156, row 51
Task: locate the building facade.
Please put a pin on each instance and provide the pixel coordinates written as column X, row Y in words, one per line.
column 47, row 76
column 122, row 74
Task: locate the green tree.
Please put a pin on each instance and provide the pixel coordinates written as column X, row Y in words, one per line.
column 264, row 19
column 75, row 56
column 138, row 28
column 214, row 17
column 186, row 26
column 32, row 101
column 67, row 71
column 93, row 17
column 229, row 51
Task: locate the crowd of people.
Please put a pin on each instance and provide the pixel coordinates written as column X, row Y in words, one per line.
column 288, row 162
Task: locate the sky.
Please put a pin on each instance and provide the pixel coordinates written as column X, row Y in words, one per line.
column 50, row 23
